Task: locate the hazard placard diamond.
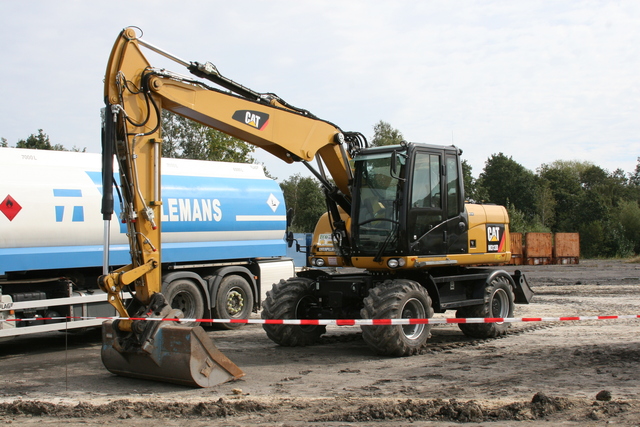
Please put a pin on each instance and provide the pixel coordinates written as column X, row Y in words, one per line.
column 273, row 202
column 10, row 208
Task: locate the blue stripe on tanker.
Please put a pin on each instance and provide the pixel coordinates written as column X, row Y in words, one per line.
column 54, row 257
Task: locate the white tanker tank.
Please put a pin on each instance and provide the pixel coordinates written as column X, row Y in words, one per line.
column 222, row 228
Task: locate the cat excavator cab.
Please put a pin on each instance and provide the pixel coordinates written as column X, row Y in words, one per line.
column 395, row 213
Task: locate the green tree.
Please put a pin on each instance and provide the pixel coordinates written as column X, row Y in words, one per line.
column 563, row 180
column 468, row 181
column 593, row 202
column 39, row 142
column 546, row 204
column 612, row 187
column 599, row 208
column 305, row 196
column 634, row 177
column 633, row 185
column 187, row 139
column 172, row 125
column 505, row 181
column 629, row 217
column 384, row 134
column 517, row 222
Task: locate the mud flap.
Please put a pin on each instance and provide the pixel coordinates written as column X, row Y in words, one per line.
column 522, row 291
column 175, row 353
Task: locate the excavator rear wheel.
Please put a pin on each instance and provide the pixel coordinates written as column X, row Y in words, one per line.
column 498, row 302
column 291, row 299
column 397, row 299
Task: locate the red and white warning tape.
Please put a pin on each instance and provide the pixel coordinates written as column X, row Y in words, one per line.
column 346, row 322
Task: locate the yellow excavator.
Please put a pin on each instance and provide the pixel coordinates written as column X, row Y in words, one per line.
column 397, row 241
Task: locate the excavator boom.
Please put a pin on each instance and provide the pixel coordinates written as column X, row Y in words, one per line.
column 264, row 120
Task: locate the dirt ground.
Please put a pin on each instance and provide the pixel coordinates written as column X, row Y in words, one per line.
column 558, row 373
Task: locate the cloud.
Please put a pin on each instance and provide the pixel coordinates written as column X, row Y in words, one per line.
column 536, row 80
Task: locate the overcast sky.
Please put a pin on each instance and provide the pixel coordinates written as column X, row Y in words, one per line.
column 535, row 80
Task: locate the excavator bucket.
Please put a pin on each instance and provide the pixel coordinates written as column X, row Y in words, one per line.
column 171, row 353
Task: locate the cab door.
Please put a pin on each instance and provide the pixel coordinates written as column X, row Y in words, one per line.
column 426, row 227
column 436, row 222
column 457, row 222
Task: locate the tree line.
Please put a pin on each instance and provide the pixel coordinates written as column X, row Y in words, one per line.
column 562, row 196
column 566, row 196
column 39, row 141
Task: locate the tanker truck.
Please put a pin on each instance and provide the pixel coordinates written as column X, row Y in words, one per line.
column 222, row 227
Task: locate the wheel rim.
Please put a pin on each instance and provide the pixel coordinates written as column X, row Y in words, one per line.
column 184, row 302
column 500, row 304
column 235, row 302
column 413, row 309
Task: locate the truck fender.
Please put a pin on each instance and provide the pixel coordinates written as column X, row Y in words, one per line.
column 433, row 292
column 521, row 289
column 215, row 280
column 170, row 277
column 478, row 292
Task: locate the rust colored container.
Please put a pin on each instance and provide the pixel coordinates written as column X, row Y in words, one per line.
column 566, row 249
column 517, row 250
column 538, row 248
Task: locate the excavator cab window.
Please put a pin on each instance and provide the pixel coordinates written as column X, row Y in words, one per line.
column 376, row 202
column 426, row 192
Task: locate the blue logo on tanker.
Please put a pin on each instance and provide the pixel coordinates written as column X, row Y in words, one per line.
column 191, row 204
column 66, row 195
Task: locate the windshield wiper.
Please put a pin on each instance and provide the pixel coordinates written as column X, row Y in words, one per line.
column 392, row 233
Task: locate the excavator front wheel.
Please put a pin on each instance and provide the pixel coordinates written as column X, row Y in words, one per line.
column 291, row 299
column 397, row 299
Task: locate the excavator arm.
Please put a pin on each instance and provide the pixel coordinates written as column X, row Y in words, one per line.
column 135, row 95
column 262, row 119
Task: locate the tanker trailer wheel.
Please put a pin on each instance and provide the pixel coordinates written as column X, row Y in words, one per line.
column 291, row 299
column 185, row 295
column 498, row 302
column 397, row 299
column 234, row 300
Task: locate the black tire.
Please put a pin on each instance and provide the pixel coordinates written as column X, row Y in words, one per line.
column 498, row 302
column 234, row 300
column 397, row 299
column 290, row 299
column 185, row 295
